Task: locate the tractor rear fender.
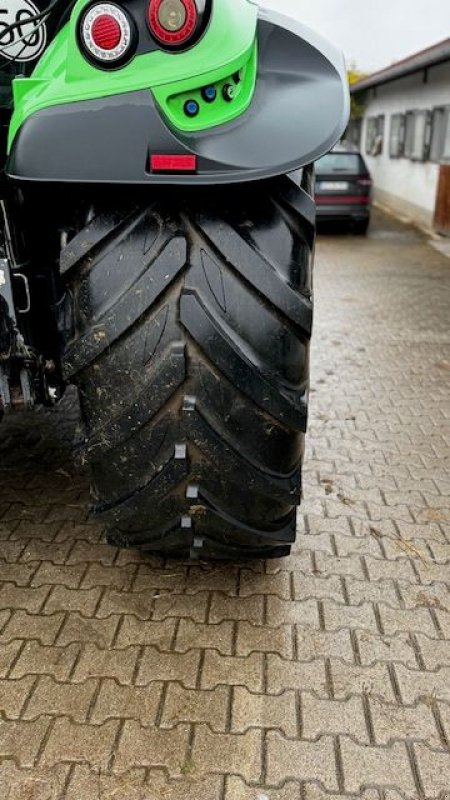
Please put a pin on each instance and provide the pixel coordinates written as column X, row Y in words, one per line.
column 297, row 111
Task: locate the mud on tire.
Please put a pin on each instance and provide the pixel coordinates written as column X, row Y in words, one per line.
column 192, row 318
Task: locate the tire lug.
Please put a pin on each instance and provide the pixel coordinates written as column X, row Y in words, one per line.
column 180, row 452
column 189, row 403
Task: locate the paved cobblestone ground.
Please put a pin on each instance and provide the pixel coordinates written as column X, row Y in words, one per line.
column 324, row 675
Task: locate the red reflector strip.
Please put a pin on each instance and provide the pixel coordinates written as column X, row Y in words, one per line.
column 342, row 200
column 173, row 163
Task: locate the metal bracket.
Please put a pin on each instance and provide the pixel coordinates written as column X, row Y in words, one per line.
column 15, row 378
column 6, row 288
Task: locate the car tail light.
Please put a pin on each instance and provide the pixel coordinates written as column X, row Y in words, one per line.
column 366, row 182
column 173, row 22
column 107, row 34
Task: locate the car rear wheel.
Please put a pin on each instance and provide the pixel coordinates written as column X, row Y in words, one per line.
column 361, row 227
column 192, row 318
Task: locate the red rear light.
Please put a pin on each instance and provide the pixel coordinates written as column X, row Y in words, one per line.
column 166, row 163
column 172, row 22
column 107, row 34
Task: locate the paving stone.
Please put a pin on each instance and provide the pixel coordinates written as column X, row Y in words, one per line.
column 114, row 602
column 8, row 654
column 333, row 717
column 37, row 550
column 375, row 647
column 87, row 783
column 415, row 620
column 308, row 586
column 349, row 680
column 26, row 529
column 424, row 686
column 84, row 601
column 69, row 741
column 248, row 609
column 358, row 545
column 255, row 639
column 49, row 574
column 136, row 631
column 11, row 551
column 21, row 741
column 264, row 711
column 337, row 616
column 376, row 766
column 190, row 787
column 80, row 629
column 13, row 695
column 434, row 653
column 237, row 789
column 212, row 577
column 37, row 659
column 324, row 644
column 228, row 753
column 156, row 579
column 32, row 626
column 234, row 671
column 372, row 592
column 95, row 662
column 253, row 583
column 119, row 578
column 308, row 676
column 399, row 570
column 150, row 747
column 314, row 542
column 348, row 566
column 126, row 702
column 434, row 768
column 219, row 636
column 20, row 574
column 190, row 705
column 60, row 699
column 303, row 612
column 85, row 553
column 308, row 761
column 156, row 666
column 392, row 722
column 32, row 784
column 180, row 606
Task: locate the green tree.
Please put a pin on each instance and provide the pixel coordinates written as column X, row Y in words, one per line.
column 358, row 103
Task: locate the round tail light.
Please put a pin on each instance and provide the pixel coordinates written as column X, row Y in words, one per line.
column 107, row 34
column 173, row 22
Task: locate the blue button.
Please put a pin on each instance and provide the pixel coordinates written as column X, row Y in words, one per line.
column 191, row 108
column 209, row 94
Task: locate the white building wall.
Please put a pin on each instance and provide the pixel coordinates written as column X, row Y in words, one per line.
column 409, row 187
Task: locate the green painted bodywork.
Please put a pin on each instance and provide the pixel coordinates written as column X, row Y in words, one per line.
column 63, row 75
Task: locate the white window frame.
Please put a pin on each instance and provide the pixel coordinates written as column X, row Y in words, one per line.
column 397, row 135
column 440, row 135
column 417, row 134
column 375, row 134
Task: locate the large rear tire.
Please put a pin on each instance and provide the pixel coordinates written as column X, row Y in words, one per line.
column 191, row 325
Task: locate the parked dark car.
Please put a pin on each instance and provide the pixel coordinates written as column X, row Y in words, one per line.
column 344, row 188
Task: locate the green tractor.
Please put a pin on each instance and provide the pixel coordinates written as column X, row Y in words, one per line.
column 157, row 235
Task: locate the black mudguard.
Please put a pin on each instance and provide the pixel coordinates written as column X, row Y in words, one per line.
column 299, row 110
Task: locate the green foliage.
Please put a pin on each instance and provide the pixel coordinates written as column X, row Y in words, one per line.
column 357, row 103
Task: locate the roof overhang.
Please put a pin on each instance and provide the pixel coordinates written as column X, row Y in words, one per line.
column 431, row 57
